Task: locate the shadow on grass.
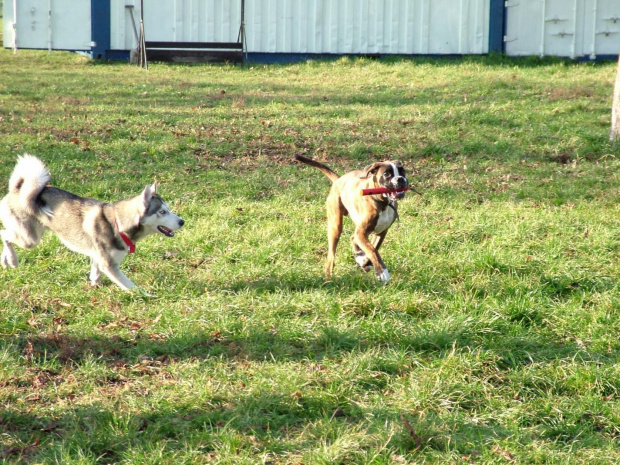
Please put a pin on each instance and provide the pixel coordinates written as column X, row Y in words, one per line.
column 264, row 420
column 268, row 423
column 272, row 420
column 356, row 280
column 260, row 344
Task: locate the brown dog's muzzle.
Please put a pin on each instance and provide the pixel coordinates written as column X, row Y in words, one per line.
column 398, row 182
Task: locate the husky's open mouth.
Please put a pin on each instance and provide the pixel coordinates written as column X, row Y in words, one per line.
column 165, row 231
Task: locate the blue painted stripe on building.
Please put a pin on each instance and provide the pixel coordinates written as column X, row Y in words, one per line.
column 497, row 21
column 100, row 27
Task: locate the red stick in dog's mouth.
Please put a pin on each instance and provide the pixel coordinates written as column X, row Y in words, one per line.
column 382, row 190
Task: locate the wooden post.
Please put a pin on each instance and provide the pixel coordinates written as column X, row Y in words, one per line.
column 614, row 136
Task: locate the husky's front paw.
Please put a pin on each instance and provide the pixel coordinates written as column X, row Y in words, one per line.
column 8, row 258
column 94, row 277
column 384, row 276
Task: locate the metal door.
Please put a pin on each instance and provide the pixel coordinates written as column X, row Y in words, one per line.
column 50, row 24
column 602, row 30
column 32, row 23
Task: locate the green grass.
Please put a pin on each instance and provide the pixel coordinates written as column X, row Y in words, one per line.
column 495, row 342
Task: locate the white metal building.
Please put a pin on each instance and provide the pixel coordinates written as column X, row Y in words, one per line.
column 283, row 29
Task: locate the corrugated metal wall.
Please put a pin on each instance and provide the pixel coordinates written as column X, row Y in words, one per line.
column 368, row 26
column 316, row 26
column 570, row 28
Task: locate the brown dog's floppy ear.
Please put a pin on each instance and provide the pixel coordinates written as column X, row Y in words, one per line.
column 370, row 169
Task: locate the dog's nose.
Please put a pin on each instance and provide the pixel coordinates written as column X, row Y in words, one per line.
column 181, row 222
column 401, row 182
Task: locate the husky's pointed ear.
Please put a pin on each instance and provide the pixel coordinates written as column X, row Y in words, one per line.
column 370, row 169
column 147, row 195
column 154, row 187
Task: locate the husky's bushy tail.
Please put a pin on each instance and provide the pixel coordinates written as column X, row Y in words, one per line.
column 29, row 178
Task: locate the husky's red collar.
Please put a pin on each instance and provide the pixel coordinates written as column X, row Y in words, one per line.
column 126, row 240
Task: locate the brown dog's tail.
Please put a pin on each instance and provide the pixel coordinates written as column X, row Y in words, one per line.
column 331, row 174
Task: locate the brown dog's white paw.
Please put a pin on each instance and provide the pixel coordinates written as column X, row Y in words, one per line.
column 384, row 276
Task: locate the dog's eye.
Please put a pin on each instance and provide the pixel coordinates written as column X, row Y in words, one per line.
column 162, row 212
column 387, row 174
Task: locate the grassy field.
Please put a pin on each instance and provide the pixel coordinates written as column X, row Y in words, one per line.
column 495, row 342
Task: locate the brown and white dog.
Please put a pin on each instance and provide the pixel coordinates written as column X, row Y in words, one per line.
column 370, row 214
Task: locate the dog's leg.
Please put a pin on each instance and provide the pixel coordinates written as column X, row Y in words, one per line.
column 360, row 256
column 117, row 276
column 361, row 238
column 8, row 257
column 95, row 273
column 26, row 235
column 108, row 264
column 378, row 240
column 334, row 230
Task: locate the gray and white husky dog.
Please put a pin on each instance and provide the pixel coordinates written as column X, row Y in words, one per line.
column 105, row 232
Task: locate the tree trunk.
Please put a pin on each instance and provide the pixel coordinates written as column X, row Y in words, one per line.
column 614, row 136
